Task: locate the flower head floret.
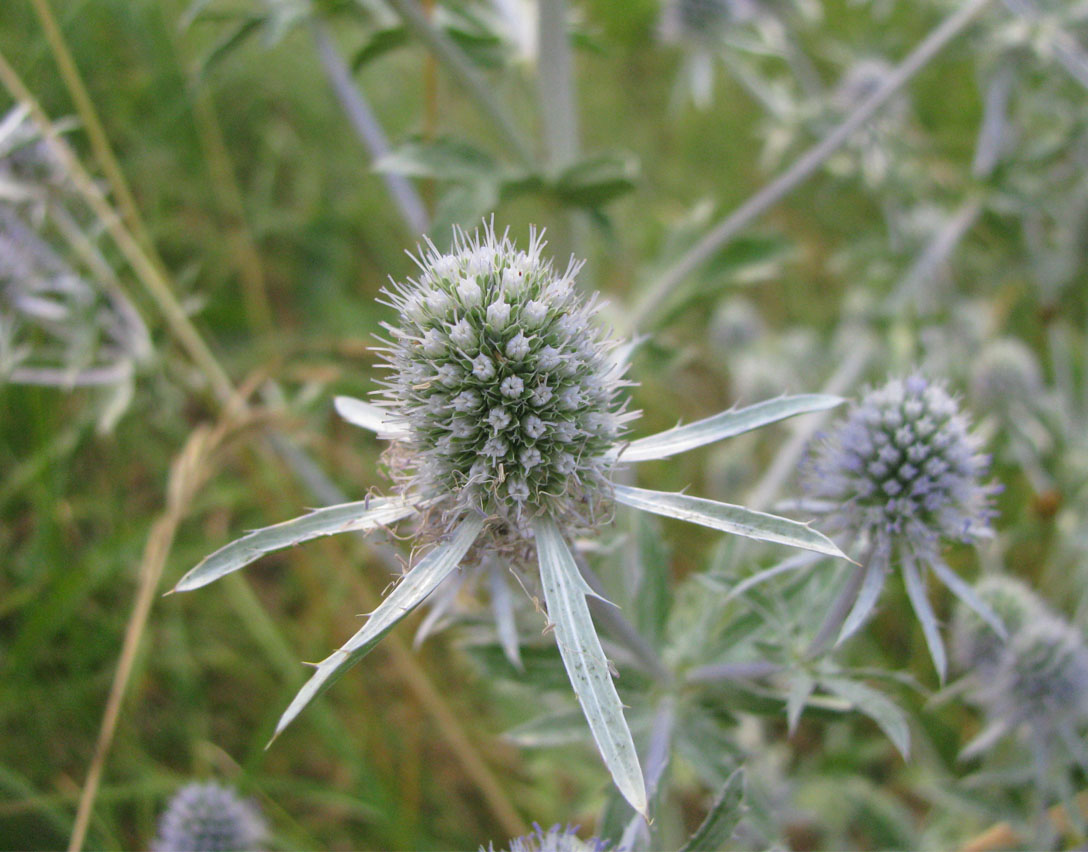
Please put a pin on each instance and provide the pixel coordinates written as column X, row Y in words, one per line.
column 208, row 817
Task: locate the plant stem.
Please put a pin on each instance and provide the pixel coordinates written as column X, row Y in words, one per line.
column 187, row 473
column 558, row 110
column 805, row 165
column 367, row 128
column 460, row 68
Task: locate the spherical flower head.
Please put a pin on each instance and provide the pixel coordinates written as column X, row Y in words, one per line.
column 903, row 471
column 1006, row 372
column 976, row 647
column 1042, row 677
column 508, row 388
column 207, row 817
column 555, row 839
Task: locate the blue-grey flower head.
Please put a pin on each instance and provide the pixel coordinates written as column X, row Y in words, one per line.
column 1042, row 677
column 555, row 839
column 976, row 648
column 1005, row 373
column 208, row 817
column 508, row 388
column 903, row 470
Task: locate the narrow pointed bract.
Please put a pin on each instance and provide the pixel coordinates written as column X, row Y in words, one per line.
column 565, row 594
column 363, row 515
column 419, row 582
column 728, row 518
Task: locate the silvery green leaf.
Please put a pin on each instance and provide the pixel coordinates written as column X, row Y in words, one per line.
column 722, row 819
column 725, row 425
column 966, row 594
column 502, row 607
column 877, row 706
column 565, row 595
column 552, row 729
column 866, row 600
column 419, row 582
column 801, row 686
column 347, row 517
column 916, row 591
column 984, row 739
column 794, row 563
column 444, row 158
column 728, row 518
column 369, row 416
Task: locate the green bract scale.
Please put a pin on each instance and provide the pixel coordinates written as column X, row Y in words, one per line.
column 505, row 385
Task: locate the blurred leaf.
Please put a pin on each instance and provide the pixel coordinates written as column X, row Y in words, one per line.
column 444, row 158
column 551, row 729
column 463, row 204
column 721, row 821
column 380, row 43
column 877, row 706
column 652, row 596
column 234, row 38
column 597, row 180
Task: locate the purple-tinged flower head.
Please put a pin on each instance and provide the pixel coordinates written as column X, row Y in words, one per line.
column 555, row 839
column 904, row 471
column 976, row 649
column 1042, row 676
column 1006, row 373
column 208, row 817
column 507, row 387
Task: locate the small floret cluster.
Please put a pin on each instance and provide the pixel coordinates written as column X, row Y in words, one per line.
column 208, row 817
column 507, row 388
column 555, row 839
column 903, row 469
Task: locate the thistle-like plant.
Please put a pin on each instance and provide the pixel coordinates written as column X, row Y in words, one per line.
column 555, row 839
column 208, row 817
column 898, row 476
column 502, row 405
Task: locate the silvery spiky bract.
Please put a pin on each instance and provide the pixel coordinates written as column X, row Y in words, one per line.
column 208, row 817
column 901, row 473
column 555, row 839
column 503, row 412
column 507, row 388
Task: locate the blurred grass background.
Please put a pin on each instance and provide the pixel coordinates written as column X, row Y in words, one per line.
column 370, row 766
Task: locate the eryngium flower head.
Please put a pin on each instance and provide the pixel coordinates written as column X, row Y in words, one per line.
column 555, row 839
column 207, row 817
column 904, row 470
column 1042, row 676
column 1006, row 373
column 976, row 647
column 506, row 385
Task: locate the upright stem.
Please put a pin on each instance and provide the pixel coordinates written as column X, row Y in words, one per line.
column 367, row 127
column 460, row 68
column 805, row 165
column 558, row 110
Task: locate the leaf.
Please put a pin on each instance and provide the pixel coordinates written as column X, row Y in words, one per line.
column 565, row 595
column 502, row 607
column 728, row 518
column 799, row 562
column 419, row 582
column 552, row 729
column 871, row 587
column 462, row 204
column 597, row 180
column 721, row 821
column 916, row 591
column 380, row 43
column 801, row 686
column 968, row 595
column 234, row 38
column 346, row 517
column 724, row 425
column 877, row 706
column 444, row 158
column 368, row 416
